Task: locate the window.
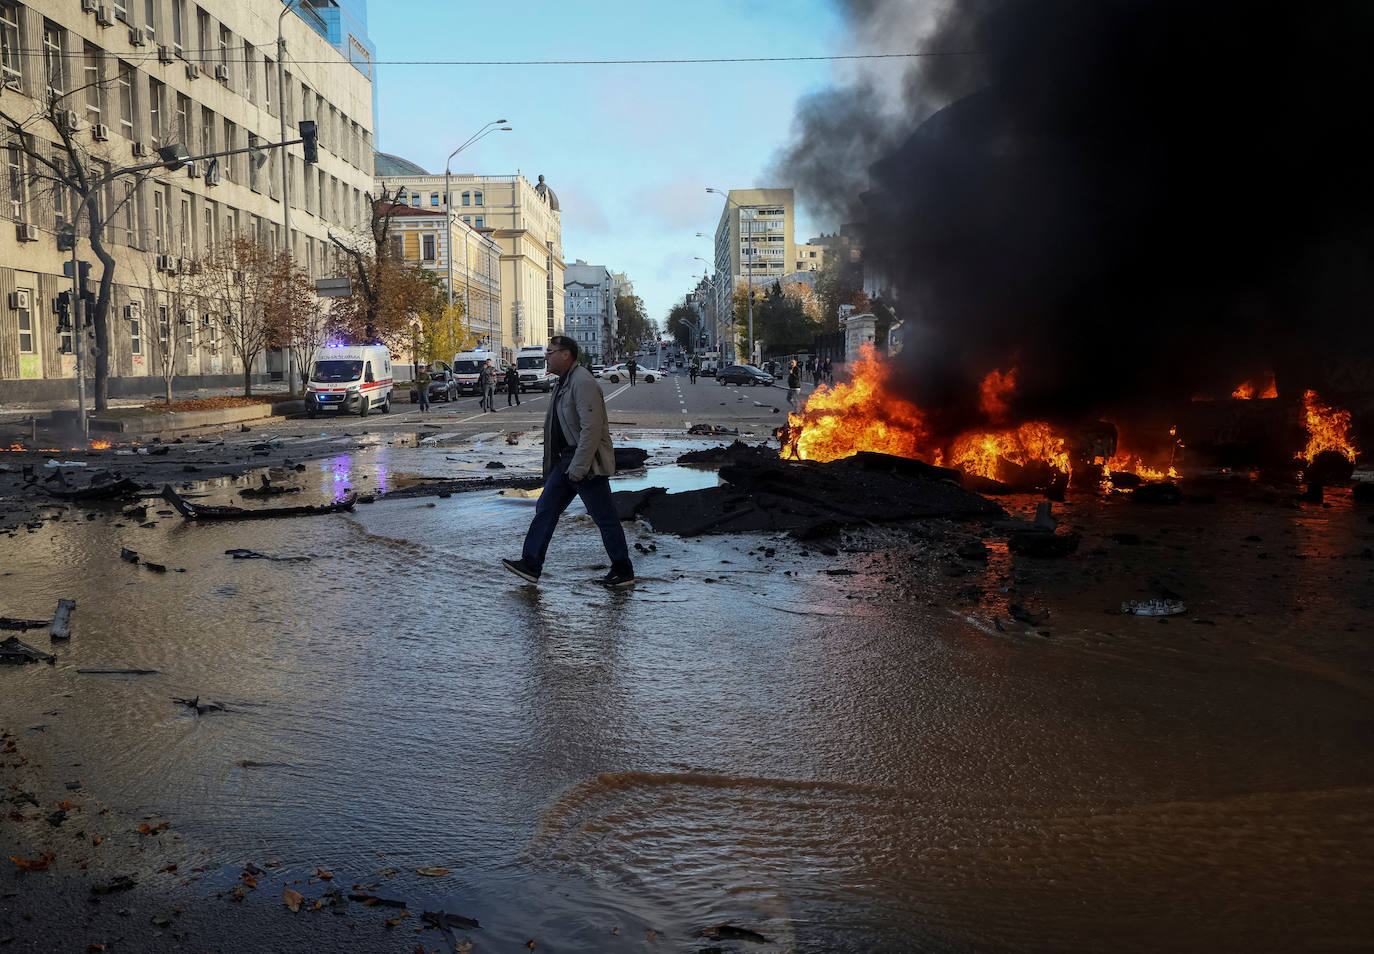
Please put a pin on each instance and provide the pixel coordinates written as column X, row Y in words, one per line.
column 202, row 37
column 52, row 55
column 250, row 72
column 467, row 219
column 477, row 198
column 397, row 245
column 415, row 199
column 163, row 328
column 59, row 193
column 155, row 130
column 18, row 185
column 9, row 43
column 183, row 129
column 209, row 225
column 434, row 200
column 125, row 90
column 150, row 18
column 90, row 78
column 467, row 199
column 477, row 222
column 130, row 215
column 254, row 178
column 267, row 80
column 207, row 130
column 159, row 221
column 178, row 26
column 135, row 332
column 121, row 9
column 224, row 46
column 230, row 141
column 427, row 244
column 25, row 296
column 184, row 230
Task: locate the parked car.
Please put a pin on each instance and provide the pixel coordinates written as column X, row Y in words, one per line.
column 598, row 370
column 743, row 374
column 617, row 373
column 443, row 386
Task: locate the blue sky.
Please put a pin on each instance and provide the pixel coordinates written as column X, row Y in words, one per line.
column 630, row 150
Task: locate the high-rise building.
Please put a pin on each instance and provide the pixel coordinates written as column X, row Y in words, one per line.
column 589, row 309
column 753, row 242
column 136, row 77
column 524, row 219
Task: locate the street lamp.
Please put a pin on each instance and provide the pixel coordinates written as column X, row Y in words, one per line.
column 496, row 125
column 750, row 278
column 285, row 176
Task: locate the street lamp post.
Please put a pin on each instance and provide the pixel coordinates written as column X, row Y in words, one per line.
column 496, row 125
column 285, row 176
column 750, row 277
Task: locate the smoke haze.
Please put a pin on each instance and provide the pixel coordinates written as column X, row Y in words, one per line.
column 1132, row 201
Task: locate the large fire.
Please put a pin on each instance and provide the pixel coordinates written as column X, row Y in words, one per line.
column 1328, row 429
column 863, row 414
column 1261, row 387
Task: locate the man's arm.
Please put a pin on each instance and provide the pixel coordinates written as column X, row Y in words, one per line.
column 591, row 412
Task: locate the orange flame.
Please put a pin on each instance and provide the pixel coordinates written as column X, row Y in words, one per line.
column 994, row 392
column 1262, row 387
column 100, row 445
column 863, row 414
column 1328, row 429
column 982, row 453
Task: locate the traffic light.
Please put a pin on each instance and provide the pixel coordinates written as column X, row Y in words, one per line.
column 310, row 140
column 62, row 306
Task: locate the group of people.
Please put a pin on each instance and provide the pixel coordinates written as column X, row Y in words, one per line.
column 820, row 372
column 486, row 386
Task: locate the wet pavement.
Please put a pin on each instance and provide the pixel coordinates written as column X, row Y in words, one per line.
column 841, row 752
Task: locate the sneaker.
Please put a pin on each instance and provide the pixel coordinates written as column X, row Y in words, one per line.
column 617, row 579
column 522, row 569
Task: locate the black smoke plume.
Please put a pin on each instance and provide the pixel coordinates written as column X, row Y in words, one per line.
column 1133, row 201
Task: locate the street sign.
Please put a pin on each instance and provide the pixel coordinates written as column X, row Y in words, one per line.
column 333, row 287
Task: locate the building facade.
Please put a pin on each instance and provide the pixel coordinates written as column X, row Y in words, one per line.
column 420, row 239
column 589, row 310
column 525, row 220
column 753, row 241
column 141, row 75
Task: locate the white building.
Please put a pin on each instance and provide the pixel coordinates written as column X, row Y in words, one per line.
column 589, row 309
column 142, row 75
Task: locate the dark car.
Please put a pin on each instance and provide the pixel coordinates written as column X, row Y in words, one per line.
column 743, row 374
column 443, row 386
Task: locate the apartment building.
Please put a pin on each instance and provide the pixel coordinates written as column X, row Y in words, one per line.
column 524, row 218
column 138, row 75
column 589, row 309
column 422, row 237
column 753, row 241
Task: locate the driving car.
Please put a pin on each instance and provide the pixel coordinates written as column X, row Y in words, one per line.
column 743, row 374
column 618, row 373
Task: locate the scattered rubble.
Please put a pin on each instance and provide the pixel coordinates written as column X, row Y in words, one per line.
column 13, row 651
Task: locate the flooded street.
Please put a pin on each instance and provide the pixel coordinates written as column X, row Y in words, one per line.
column 841, row 761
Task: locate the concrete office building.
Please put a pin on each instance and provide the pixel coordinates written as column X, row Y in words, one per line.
column 149, row 73
column 524, row 219
column 753, row 241
column 589, row 310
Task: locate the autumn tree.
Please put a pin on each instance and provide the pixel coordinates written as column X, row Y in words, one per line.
column 387, row 294
column 781, row 323
column 296, row 321
column 446, row 332
column 839, row 282
column 632, row 325
column 63, row 170
column 237, row 280
column 683, row 324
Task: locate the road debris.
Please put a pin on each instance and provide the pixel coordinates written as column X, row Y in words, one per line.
column 62, row 619
column 13, row 651
column 1157, row 607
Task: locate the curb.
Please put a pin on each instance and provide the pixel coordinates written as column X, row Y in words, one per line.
column 183, row 420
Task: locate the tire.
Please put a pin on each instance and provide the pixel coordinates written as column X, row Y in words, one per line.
column 753, row 383
column 648, row 379
column 363, row 407
column 386, row 405
column 615, row 379
column 310, row 412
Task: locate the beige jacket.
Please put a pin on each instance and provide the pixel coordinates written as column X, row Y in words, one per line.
column 580, row 409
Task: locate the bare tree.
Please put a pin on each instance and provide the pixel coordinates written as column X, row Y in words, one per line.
column 173, row 300
column 237, row 281
column 297, row 321
column 62, row 166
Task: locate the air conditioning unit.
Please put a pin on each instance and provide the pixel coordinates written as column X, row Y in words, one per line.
column 137, row 37
column 222, row 73
column 192, row 71
column 164, row 53
column 130, row 312
column 14, row 302
column 164, row 263
column 192, row 170
column 25, row 232
column 100, row 132
column 13, row 83
column 103, row 16
column 212, row 173
column 89, row 6
column 139, row 150
column 185, row 318
column 70, row 119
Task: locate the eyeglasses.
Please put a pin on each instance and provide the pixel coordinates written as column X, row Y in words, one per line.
column 554, row 350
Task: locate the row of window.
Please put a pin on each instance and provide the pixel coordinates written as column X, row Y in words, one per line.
column 436, row 199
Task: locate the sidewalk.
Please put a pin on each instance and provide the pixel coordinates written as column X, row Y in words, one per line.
column 12, row 415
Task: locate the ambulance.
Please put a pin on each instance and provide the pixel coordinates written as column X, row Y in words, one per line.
column 349, row 379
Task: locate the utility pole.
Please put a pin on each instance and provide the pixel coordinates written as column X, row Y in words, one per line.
column 285, row 175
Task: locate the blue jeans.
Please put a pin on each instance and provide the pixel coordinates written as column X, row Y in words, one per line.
column 558, row 492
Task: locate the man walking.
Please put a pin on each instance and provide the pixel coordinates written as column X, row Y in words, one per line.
column 793, row 384
column 578, row 462
column 633, row 368
column 486, row 383
column 692, row 370
column 422, row 385
column 512, row 385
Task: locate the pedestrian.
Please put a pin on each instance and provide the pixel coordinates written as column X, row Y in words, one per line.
column 578, row 462
column 693, row 370
column 512, row 385
column 816, row 372
column 632, row 368
column 793, row 384
column 486, row 383
column 829, row 373
column 422, row 386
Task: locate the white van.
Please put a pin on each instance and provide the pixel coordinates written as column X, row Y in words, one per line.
column 468, row 364
column 534, row 369
column 349, row 379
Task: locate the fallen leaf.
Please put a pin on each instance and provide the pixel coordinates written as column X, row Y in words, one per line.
column 530, row 944
column 323, row 875
column 167, row 870
column 293, row 899
column 145, row 829
column 651, row 935
column 65, row 805
column 249, row 881
column 433, row 872
column 96, row 947
column 393, row 922
column 317, row 905
column 34, row 864
column 97, row 839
